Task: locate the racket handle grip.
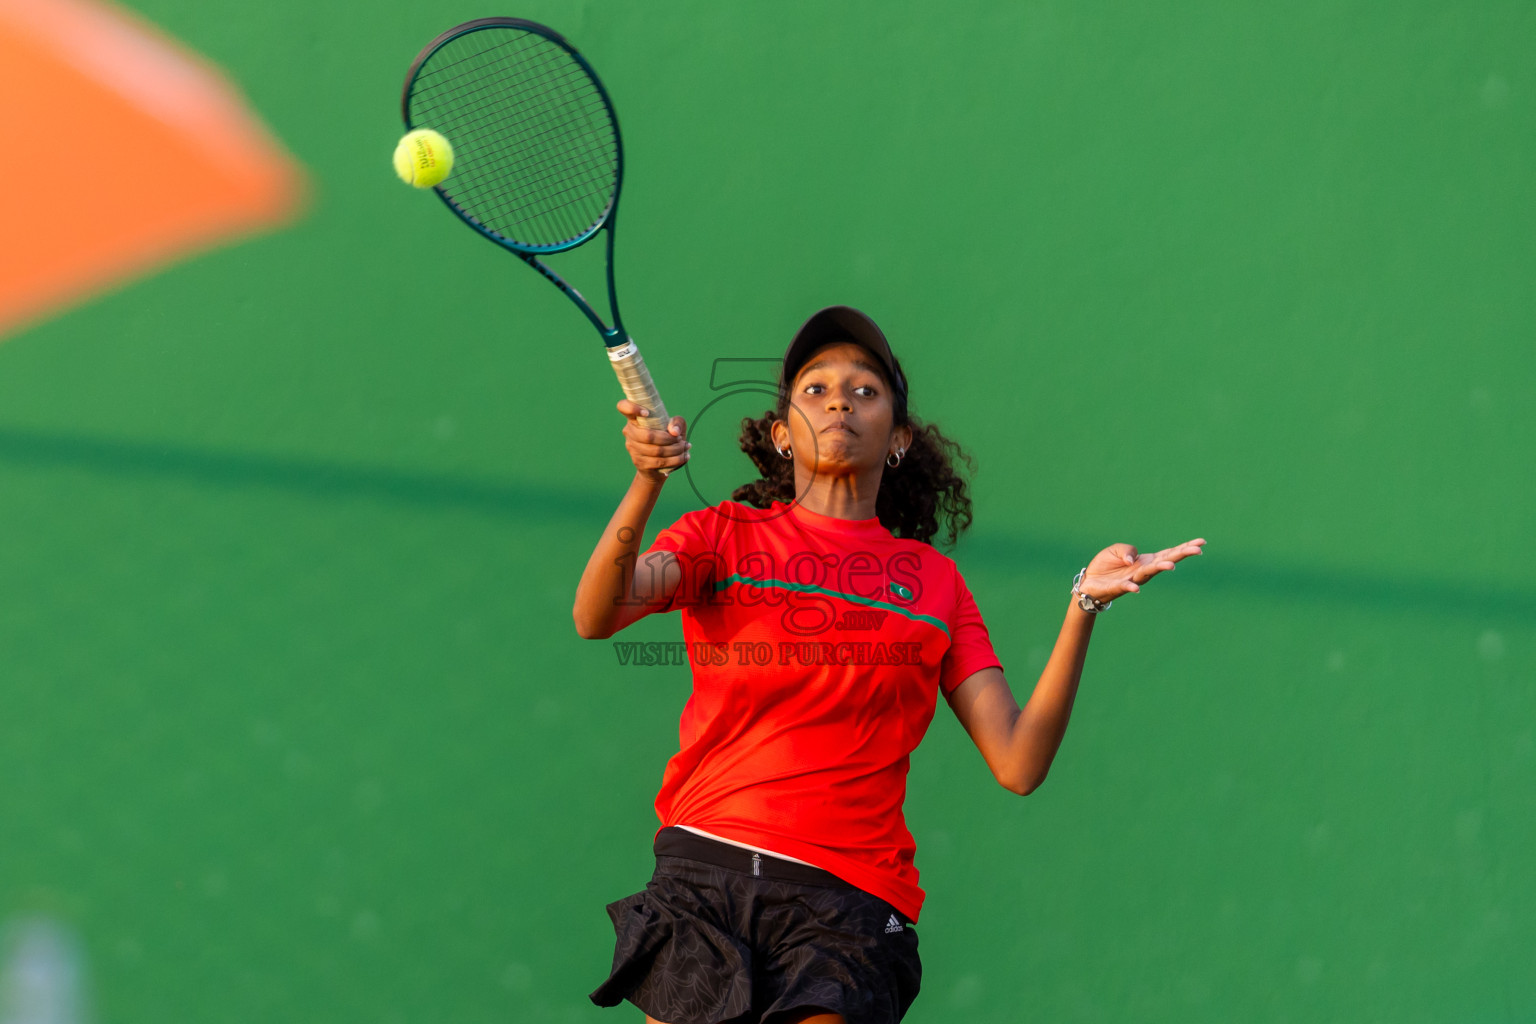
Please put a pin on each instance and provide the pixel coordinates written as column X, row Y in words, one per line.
column 638, row 387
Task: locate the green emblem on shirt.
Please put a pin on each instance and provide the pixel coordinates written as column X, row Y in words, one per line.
column 901, row 591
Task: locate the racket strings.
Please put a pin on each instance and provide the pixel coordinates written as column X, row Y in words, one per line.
column 578, row 164
column 547, row 188
column 535, row 171
column 552, row 159
column 506, row 78
column 536, row 150
column 493, row 114
column 512, row 142
column 557, row 172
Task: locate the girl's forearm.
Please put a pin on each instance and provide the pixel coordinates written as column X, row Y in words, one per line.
column 1042, row 722
column 605, row 601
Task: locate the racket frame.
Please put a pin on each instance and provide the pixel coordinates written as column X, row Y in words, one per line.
column 613, row 336
column 623, row 354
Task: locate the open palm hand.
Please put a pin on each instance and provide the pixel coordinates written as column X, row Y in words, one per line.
column 1121, row 569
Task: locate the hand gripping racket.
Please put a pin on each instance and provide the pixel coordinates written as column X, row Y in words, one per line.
column 537, row 157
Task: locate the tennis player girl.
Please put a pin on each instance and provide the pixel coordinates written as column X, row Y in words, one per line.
column 822, row 628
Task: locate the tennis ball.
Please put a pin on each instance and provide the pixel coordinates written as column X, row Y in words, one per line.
column 423, row 158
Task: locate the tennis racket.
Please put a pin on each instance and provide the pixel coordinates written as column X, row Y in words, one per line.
column 537, row 158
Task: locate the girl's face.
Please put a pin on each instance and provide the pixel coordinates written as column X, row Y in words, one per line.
column 843, row 415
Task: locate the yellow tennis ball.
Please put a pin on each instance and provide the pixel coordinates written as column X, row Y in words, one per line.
column 423, row 158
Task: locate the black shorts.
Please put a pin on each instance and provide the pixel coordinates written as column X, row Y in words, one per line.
column 722, row 934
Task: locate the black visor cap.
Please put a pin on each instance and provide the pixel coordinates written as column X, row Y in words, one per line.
column 844, row 323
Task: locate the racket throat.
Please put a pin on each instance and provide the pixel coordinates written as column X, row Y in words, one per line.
column 612, row 336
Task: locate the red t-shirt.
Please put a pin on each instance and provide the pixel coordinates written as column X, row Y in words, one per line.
column 819, row 647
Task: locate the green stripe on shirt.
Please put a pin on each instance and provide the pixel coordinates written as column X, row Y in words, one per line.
column 811, row 588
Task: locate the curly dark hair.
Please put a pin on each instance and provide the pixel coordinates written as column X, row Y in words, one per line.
column 924, row 494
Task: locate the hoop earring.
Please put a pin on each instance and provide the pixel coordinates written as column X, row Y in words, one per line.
column 898, row 456
column 785, row 453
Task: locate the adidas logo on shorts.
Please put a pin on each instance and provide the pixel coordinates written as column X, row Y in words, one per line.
column 892, row 925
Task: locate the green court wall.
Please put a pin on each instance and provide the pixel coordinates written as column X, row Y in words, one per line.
column 293, row 721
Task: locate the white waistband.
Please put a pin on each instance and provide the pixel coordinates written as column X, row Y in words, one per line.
column 744, row 846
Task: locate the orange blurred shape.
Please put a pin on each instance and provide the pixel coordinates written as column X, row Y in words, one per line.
column 120, row 151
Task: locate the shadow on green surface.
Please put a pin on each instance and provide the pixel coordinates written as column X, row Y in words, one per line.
column 1226, row 575
column 326, row 481
column 1234, row 576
